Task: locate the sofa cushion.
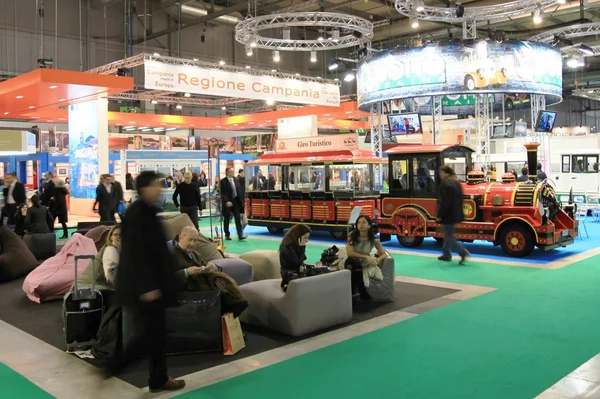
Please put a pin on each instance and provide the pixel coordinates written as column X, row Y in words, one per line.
column 174, row 224
column 42, row 246
column 265, row 264
column 16, row 260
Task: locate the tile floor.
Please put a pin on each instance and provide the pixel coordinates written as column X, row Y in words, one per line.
column 583, row 382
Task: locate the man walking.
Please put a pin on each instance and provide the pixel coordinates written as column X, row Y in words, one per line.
column 231, row 203
column 450, row 212
column 14, row 195
column 242, row 179
column 105, row 198
column 146, row 282
column 189, row 196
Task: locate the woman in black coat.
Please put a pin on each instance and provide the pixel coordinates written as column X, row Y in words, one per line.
column 20, row 220
column 59, row 207
column 292, row 253
column 38, row 218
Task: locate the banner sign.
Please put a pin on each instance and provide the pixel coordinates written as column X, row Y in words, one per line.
column 190, row 79
column 461, row 67
column 318, row 144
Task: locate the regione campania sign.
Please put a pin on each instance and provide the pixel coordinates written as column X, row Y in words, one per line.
column 318, row 143
column 191, row 79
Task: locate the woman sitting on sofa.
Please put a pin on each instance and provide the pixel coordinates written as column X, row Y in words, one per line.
column 38, row 218
column 292, row 253
column 361, row 242
column 110, row 254
column 20, row 220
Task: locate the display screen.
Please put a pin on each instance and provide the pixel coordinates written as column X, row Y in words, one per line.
column 545, row 121
column 404, row 124
column 457, row 67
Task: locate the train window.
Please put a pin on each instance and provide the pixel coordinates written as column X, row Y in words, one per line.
column 566, row 164
column 399, row 175
column 424, row 174
column 306, row 177
column 356, row 177
column 585, row 163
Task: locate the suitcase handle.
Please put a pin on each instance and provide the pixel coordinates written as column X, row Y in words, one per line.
column 80, row 257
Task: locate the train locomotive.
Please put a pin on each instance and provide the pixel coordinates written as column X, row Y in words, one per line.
column 320, row 189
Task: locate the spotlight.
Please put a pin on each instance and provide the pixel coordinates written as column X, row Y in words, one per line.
column 574, row 63
column 276, row 57
column 538, row 17
column 320, row 38
column 460, row 11
column 221, row 62
column 335, row 64
column 253, row 44
column 286, row 34
column 270, row 101
column 122, row 72
column 187, row 95
column 349, row 77
column 562, row 1
column 156, row 55
column 223, row 108
column 313, row 56
column 248, row 67
column 178, row 106
column 414, row 22
column 154, row 102
column 587, row 50
column 419, row 5
column 335, row 35
column 249, row 51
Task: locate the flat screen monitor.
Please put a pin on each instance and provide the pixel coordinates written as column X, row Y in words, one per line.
column 405, row 124
column 545, row 121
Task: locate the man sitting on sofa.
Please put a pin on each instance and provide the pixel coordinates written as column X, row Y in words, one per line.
column 197, row 275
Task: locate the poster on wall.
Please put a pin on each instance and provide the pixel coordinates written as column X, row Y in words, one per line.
column 83, row 150
column 118, row 142
column 191, row 79
column 179, row 143
column 258, row 144
column 461, row 67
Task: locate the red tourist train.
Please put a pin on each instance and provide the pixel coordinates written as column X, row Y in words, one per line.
column 320, row 189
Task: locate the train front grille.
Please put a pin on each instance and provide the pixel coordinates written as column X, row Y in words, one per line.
column 524, row 194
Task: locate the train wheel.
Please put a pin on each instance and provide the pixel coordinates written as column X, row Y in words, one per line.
column 274, row 230
column 516, row 240
column 338, row 235
column 410, row 241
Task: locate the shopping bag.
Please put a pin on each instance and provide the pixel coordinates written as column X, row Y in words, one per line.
column 233, row 337
column 244, row 220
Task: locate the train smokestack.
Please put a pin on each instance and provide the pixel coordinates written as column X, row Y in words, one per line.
column 532, row 152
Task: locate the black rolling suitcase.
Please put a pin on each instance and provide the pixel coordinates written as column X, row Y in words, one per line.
column 83, row 309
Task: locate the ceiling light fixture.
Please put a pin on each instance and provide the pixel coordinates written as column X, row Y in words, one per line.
column 53, row 87
column 414, row 22
column 171, row 129
column 562, row 1
column 187, row 95
column 313, row 56
column 32, row 107
column 221, row 62
column 154, row 102
column 146, row 130
column 276, row 57
column 320, row 38
column 6, row 113
column 156, row 55
column 574, row 63
column 419, row 5
column 223, row 108
column 349, row 77
column 196, row 59
column 587, row 50
column 248, row 67
column 538, row 16
column 270, row 101
column 178, row 106
column 249, row 51
column 335, row 35
column 19, row 97
column 333, row 65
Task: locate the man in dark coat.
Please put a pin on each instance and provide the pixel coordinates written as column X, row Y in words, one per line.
column 231, row 201
column 48, row 190
column 105, row 199
column 450, row 212
column 146, row 282
column 14, row 195
column 242, row 179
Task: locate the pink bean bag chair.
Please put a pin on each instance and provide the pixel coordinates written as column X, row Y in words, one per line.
column 53, row 278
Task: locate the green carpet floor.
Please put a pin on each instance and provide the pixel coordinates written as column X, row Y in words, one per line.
column 515, row 342
column 15, row 385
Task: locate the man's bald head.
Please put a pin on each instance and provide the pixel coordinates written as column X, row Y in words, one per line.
column 188, row 238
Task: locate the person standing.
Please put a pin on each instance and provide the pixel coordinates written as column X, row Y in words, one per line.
column 105, row 199
column 146, row 282
column 259, row 182
column 118, row 197
column 450, row 212
column 242, row 179
column 49, row 188
column 14, row 195
column 189, row 195
column 59, row 207
column 230, row 190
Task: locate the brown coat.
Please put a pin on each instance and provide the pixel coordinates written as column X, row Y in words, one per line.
column 205, row 281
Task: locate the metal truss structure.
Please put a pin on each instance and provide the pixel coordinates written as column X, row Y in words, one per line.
column 376, row 120
column 352, row 31
column 483, row 110
column 568, row 32
column 438, row 119
column 538, row 103
column 469, row 29
column 483, row 13
column 591, row 94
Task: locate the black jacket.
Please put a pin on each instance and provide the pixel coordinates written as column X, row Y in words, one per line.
column 48, row 194
column 292, row 256
column 117, row 192
column 189, row 195
column 18, row 193
column 59, row 206
column 105, row 199
column 38, row 220
column 242, row 181
column 227, row 192
column 145, row 263
column 450, row 202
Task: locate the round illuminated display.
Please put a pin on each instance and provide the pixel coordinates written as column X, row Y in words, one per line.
column 461, row 67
